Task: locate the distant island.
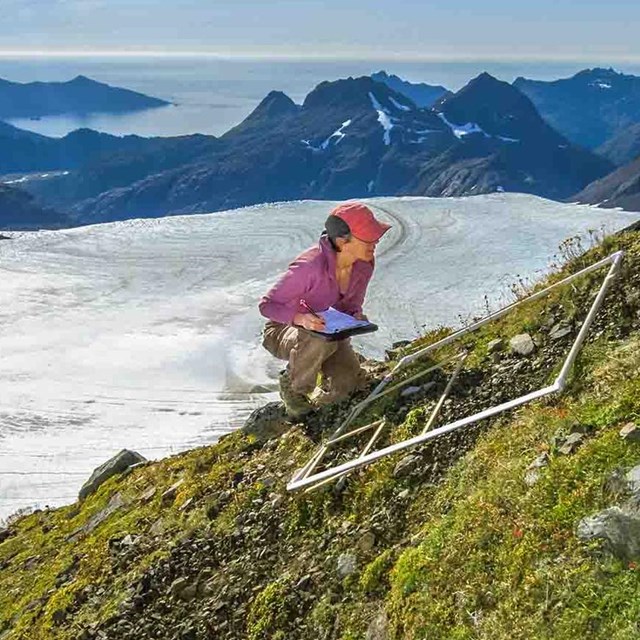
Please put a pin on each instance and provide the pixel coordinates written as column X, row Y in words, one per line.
column 78, row 96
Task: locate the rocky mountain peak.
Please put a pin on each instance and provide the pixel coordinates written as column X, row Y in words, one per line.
column 355, row 94
column 275, row 103
column 496, row 108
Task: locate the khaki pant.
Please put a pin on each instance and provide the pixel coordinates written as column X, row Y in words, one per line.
column 308, row 355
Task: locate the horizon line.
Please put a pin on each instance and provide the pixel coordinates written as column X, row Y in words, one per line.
column 409, row 57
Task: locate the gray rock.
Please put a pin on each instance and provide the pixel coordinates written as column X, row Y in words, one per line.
column 178, row 585
column 410, row 391
column 187, row 504
column 261, row 388
column 495, row 345
column 616, row 483
column 157, row 528
column 347, row 564
column 114, row 504
column 572, row 442
column 619, row 530
column 541, row 461
column 148, row 494
column 119, row 463
column 633, row 479
column 5, row 534
column 406, row 466
column 559, row 331
column 367, row 541
column 379, row 627
column 267, row 422
column 522, row 344
column 304, row 583
column 630, row 432
column 532, row 474
column 170, row 494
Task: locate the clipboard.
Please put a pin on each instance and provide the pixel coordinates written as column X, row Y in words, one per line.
column 345, row 333
column 341, row 325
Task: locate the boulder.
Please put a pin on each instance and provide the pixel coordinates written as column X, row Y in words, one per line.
column 619, row 530
column 522, row 344
column 572, row 442
column 115, row 502
column 379, row 628
column 347, row 564
column 119, row 463
column 559, row 331
column 367, row 541
column 267, row 422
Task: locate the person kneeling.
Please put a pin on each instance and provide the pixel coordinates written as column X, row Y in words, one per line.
column 334, row 273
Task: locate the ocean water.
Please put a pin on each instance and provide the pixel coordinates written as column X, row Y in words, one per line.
column 211, row 95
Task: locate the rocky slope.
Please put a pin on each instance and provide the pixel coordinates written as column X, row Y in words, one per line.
column 487, row 533
column 19, row 211
column 620, row 188
column 623, row 147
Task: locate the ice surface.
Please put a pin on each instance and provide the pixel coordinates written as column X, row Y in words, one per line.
column 145, row 333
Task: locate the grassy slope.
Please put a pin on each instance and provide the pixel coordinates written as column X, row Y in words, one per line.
column 473, row 553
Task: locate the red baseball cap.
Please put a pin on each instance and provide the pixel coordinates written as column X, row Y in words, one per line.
column 361, row 221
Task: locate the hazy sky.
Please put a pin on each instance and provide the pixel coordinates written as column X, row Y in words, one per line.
column 581, row 29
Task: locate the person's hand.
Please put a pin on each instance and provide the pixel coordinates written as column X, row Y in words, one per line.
column 309, row 321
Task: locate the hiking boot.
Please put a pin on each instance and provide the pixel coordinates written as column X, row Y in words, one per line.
column 296, row 404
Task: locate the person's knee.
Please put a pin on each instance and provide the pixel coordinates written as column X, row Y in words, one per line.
column 346, row 382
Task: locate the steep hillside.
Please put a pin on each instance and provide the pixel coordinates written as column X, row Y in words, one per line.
column 474, row 536
column 18, row 210
column 623, row 147
column 620, row 188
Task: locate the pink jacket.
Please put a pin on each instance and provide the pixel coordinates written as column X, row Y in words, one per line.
column 312, row 277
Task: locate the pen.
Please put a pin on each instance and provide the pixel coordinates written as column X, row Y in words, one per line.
column 310, row 310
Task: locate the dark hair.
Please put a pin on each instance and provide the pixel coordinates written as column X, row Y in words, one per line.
column 335, row 228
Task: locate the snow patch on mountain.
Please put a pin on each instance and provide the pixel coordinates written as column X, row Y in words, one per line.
column 336, row 136
column 402, row 107
column 462, row 130
column 383, row 118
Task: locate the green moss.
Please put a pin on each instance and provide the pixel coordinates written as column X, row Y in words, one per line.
column 269, row 613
